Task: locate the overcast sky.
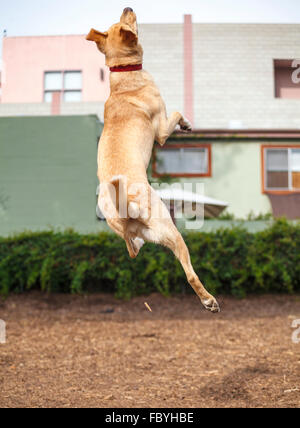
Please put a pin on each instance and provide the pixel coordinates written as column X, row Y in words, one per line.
column 42, row 17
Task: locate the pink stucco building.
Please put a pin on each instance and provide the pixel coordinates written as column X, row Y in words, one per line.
column 31, row 65
column 67, row 74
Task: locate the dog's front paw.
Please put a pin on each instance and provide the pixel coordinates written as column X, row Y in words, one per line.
column 185, row 125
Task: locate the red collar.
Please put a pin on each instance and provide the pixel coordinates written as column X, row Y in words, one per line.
column 127, row 68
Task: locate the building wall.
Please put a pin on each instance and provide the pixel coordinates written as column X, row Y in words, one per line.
column 25, row 59
column 48, row 173
column 232, row 70
column 45, row 109
column 234, row 76
column 163, row 59
column 25, row 109
column 236, row 178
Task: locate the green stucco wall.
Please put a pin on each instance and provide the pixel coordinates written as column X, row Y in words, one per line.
column 236, row 178
column 48, row 173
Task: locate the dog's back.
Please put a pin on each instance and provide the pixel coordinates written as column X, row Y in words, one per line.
column 130, row 118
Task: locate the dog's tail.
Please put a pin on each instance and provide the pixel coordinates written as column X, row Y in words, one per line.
column 122, row 201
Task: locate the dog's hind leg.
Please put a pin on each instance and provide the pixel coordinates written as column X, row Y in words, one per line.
column 178, row 246
column 163, row 231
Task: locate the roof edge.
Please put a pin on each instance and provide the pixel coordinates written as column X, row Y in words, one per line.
column 240, row 133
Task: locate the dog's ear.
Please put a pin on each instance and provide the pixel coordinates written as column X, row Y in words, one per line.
column 96, row 36
column 128, row 33
column 99, row 38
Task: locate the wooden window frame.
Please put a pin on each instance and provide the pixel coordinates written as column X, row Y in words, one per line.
column 263, row 167
column 184, row 146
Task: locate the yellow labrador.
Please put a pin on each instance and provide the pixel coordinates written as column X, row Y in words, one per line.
column 135, row 116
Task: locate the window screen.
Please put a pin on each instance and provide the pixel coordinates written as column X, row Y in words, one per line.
column 72, row 80
column 53, row 81
column 68, row 83
column 182, row 161
column 72, row 96
column 48, row 97
column 277, row 169
column 282, row 169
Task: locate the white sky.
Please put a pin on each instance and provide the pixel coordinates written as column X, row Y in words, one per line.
column 42, row 17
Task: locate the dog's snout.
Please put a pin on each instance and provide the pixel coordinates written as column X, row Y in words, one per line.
column 127, row 9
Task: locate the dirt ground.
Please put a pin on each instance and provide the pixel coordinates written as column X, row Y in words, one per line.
column 96, row 351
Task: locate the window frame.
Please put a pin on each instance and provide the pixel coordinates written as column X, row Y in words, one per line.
column 278, row 191
column 63, row 90
column 206, row 146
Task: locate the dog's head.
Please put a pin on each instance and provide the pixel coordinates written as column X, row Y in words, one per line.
column 120, row 43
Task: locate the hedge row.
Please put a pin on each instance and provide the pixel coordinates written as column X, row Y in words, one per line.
column 230, row 261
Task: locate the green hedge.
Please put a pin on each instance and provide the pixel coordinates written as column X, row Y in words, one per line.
column 230, row 261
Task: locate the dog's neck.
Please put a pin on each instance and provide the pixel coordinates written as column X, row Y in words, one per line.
column 124, row 57
column 127, row 80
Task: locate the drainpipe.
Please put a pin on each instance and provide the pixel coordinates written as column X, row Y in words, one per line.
column 188, row 69
column 55, row 105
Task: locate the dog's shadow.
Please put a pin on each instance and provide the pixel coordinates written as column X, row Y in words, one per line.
column 235, row 386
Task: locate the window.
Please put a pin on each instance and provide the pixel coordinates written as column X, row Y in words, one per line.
column 68, row 83
column 281, row 168
column 183, row 161
column 287, row 82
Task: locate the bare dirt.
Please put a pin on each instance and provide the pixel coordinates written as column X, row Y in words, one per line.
column 96, row 351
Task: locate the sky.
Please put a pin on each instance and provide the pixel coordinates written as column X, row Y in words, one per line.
column 43, row 17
